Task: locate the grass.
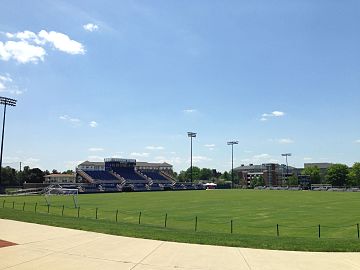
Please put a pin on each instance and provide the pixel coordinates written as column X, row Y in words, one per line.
column 254, row 215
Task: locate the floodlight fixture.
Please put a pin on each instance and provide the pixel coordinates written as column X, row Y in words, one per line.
column 232, row 160
column 6, row 102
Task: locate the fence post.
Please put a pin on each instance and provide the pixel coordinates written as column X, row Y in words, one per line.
column 319, row 230
column 4, row 204
column 13, row 204
column 96, row 213
column 35, row 206
column 139, row 217
column 358, row 230
column 24, row 206
column 196, row 222
column 277, row 230
column 231, row 226
column 78, row 211
column 116, row 217
column 165, row 220
column 48, row 208
column 62, row 211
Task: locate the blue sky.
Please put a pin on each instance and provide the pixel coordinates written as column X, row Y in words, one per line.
column 130, row 78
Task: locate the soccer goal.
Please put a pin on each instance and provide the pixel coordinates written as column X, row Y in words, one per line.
column 60, row 191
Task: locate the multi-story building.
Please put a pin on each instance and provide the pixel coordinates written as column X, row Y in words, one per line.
column 273, row 174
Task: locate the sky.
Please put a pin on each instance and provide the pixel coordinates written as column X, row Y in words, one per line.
column 130, row 78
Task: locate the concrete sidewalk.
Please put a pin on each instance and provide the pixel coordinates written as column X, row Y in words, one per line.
column 45, row 247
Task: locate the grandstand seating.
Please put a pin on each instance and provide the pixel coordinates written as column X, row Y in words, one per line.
column 140, row 187
column 155, row 175
column 101, row 175
column 128, row 173
column 156, row 187
column 189, row 186
column 178, row 186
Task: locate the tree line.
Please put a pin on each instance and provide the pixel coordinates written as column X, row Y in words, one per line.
column 338, row 175
column 13, row 177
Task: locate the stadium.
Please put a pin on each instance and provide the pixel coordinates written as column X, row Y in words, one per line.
column 123, row 175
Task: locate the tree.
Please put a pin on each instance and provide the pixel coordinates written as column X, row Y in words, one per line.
column 226, row 176
column 205, row 174
column 293, row 180
column 337, row 175
column 354, row 174
column 314, row 173
column 54, row 171
column 8, row 176
column 67, row 172
column 257, row 181
column 185, row 176
column 35, row 176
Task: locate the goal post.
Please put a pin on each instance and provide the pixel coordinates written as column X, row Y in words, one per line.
column 60, row 191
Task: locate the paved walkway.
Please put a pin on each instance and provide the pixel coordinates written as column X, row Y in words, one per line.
column 45, row 247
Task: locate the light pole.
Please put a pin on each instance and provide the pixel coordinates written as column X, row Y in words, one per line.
column 286, row 155
column 191, row 135
column 232, row 160
column 6, row 102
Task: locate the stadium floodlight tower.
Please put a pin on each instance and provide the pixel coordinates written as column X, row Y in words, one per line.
column 286, row 155
column 191, row 135
column 232, row 160
column 6, row 102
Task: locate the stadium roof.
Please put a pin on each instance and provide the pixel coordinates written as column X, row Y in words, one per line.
column 139, row 163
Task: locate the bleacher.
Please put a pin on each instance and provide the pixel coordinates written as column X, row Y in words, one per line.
column 129, row 174
column 178, row 186
column 155, row 176
column 156, row 187
column 101, row 175
column 189, row 186
column 158, row 178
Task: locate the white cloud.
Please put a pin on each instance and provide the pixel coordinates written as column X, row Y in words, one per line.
column 189, row 110
column 266, row 116
column 6, row 85
column 172, row 160
column 261, row 156
column 135, row 154
column 151, row 147
column 285, row 141
column 29, row 47
column 62, row 42
column 90, row 27
column 308, row 158
column 21, row 51
column 72, row 164
column 72, row 120
column 93, row 124
column 199, row 159
column 357, row 141
column 277, row 113
column 210, row 146
column 96, row 149
column 95, row 158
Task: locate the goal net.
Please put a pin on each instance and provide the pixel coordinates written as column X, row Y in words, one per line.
column 60, row 191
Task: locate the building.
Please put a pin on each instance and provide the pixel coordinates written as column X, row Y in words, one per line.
column 57, row 178
column 273, row 174
column 323, row 167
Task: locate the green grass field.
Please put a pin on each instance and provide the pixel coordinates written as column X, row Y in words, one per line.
column 254, row 215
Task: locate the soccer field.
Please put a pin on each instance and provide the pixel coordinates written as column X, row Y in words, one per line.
column 213, row 212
